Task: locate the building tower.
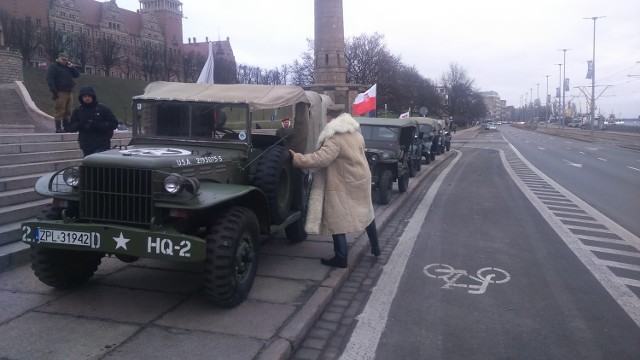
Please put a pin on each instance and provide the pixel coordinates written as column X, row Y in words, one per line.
column 330, row 71
column 168, row 13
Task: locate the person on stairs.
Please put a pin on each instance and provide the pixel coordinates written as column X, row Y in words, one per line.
column 60, row 80
column 93, row 121
column 340, row 199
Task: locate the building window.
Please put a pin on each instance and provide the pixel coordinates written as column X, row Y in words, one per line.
column 326, row 59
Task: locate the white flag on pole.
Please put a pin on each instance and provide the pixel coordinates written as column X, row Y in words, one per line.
column 206, row 76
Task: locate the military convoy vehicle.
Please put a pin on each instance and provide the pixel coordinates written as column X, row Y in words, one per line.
column 426, row 132
column 197, row 183
column 388, row 145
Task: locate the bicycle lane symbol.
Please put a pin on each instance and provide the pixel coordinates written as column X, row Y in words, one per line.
column 451, row 277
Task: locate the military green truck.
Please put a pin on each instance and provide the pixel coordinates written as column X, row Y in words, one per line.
column 426, row 131
column 388, row 145
column 197, row 183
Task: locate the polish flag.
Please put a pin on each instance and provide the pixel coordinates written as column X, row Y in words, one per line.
column 365, row 102
column 405, row 115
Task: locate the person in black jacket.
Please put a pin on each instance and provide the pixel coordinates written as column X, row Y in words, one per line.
column 60, row 80
column 93, row 121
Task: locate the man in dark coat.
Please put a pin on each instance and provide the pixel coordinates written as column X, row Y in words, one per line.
column 93, row 121
column 60, row 80
column 286, row 129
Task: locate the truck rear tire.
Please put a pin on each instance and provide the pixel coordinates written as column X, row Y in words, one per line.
column 403, row 183
column 385, row 183
column 231, row 262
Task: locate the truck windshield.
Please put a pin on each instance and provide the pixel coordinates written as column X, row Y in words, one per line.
column 190, row 120
column 379, row 133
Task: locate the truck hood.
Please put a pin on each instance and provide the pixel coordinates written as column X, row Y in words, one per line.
column 159, row 157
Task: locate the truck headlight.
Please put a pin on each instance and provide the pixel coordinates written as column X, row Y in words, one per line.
column 172, row 184
column 71, row 176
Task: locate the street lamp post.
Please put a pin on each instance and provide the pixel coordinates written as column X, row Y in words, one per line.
column 531, row 119
column 593, row 72
column 560, row 84
column 546, row 104
column 537, row 106
column 564, row 65
column 525, row 107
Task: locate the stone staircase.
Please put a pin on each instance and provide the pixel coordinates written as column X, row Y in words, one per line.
column 24, row 158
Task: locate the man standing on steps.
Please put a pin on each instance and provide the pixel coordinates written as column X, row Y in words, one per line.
column 60, row 80
column 93, row 121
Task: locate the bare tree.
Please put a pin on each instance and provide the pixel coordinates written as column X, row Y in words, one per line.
column 127, row 63
column 169, row 64
column 81, row 49
column 284, row 74
column 150, row 60
column 458, row 88
column 225, row 70
column 302, row 69
column 23, row 35
column 366, row 57
column 108, row 53
column 54, row 41
column 192, row 64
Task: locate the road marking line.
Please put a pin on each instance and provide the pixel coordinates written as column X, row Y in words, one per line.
column 620, row 265
column 572, row 164
column 630, row 282
column 629, row 302
column 602, row 159
column 373, row 319
column 612, row 251
column 631, row 167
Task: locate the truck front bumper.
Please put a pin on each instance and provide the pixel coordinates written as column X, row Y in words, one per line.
column 160, row 243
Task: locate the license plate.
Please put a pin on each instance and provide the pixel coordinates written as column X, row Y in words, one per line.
column 77, row 238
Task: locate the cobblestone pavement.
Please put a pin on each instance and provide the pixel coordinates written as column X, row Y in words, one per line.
column 330, row 334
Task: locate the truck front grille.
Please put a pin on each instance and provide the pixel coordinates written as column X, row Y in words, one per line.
column 116, row 195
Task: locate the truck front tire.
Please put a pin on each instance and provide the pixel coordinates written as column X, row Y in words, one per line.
column 60, row 268
column 232, row 256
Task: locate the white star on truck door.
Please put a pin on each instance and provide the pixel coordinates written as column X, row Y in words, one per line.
column 121, row 241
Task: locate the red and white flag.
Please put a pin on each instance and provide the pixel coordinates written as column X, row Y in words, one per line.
column 405, row 115
column 365, row 102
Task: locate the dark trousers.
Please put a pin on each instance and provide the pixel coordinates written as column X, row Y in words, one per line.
column 340, row 241
column 372, row 232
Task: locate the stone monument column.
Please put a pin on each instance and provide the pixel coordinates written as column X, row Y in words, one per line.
column 330, row 67
column 330, row 71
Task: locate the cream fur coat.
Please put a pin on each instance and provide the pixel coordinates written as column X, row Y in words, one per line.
column 340, row 199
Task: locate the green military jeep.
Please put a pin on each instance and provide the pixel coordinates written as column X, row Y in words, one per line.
column 426, row 131
column 197, row 183
column 388, row 145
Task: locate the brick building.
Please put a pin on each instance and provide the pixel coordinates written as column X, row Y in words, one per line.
column 157, row 25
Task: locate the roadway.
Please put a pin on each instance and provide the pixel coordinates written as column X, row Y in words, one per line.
column 499, row 261
column 605, row 176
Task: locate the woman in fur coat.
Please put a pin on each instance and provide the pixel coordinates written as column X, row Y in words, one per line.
column 340, row 199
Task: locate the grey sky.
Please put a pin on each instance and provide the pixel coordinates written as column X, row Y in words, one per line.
column 508, row 46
